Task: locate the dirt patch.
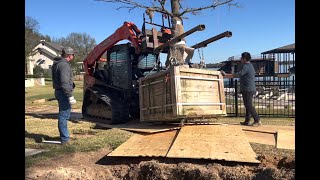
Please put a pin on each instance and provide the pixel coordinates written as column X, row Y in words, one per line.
column 75, row 166
column 275, row 164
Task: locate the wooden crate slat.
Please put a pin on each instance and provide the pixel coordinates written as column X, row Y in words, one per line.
column 181, row 92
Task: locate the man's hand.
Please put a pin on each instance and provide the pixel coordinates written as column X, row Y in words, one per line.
column 72, row 100
column 223, row 73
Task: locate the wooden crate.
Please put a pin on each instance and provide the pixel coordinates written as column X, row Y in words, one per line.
column 181, row 92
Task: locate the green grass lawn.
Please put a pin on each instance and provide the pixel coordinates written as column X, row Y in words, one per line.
column 46, row 92
column 84, row 137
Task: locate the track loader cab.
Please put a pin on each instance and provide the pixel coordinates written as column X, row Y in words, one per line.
column 115, row 93
column 123, row 67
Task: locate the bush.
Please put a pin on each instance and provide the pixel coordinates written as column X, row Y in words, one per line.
column 33, row 76
column 47, row 73
column 38, row 71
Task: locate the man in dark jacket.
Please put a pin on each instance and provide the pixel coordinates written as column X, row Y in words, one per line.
column 63, row 84
column 247, row 88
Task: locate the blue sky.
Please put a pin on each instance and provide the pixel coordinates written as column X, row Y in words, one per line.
column 257, row 26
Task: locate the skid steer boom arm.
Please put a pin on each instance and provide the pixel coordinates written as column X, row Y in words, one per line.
column 127, row 31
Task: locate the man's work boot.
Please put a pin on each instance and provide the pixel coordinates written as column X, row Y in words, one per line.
column 65, row 142
column 245, row 123
column 257, row 123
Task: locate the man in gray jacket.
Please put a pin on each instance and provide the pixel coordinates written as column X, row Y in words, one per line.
column 63, row 85
column 247, row 88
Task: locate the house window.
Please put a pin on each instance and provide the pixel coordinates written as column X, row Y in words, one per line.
column 40, row 61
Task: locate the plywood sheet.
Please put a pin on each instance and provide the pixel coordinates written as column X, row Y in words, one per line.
column 285, row 139
column 264, row 128
column 30, row 152
column 141, row 127
column 267, row 134
column 146, row 145
column 217, row 142
column 261, row 137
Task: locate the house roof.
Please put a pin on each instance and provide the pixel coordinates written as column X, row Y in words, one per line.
column 46, row 52
column 284, row 49
column 53, row 46
column 252, row 60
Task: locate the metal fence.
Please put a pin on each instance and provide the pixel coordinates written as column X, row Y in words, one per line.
column 272, row 98
column 275, row 95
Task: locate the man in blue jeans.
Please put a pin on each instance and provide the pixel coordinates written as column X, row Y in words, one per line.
column 63, row 84
column 247, row 88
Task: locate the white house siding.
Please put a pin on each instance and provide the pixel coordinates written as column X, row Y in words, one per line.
column 33, row 59
column 30, row 66
column 46, row 63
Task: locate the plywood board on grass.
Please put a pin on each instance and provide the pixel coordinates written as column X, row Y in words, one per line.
column 263, row 128
column 216, row 142
column 142, row 127
column 285, row 139
column 151, row 145
column 30, row 152
column 261, row 137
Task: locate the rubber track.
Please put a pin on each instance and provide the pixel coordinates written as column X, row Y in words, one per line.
column 99, row 119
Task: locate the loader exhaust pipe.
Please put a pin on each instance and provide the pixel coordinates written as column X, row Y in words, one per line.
column 210, row 40
column 200, row 27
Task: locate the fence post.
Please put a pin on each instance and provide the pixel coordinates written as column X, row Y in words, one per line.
column 236, row 97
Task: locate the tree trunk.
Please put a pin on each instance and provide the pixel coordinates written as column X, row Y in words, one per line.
column 176, row 51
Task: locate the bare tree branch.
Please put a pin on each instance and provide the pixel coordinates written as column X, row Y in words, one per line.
column 133, row 5
column 127, row 7
column 214, row 5
column 162, row 2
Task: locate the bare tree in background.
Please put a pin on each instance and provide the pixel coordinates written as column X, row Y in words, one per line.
column 179, row 8
column 82, row 43
column 32, row 37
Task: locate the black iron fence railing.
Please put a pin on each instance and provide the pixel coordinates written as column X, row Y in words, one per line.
column 273, row 98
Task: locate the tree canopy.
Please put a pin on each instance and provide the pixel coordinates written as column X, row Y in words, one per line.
column 82, row 43
column 32, row 35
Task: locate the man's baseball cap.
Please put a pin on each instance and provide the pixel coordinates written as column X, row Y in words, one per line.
column 67, row 50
